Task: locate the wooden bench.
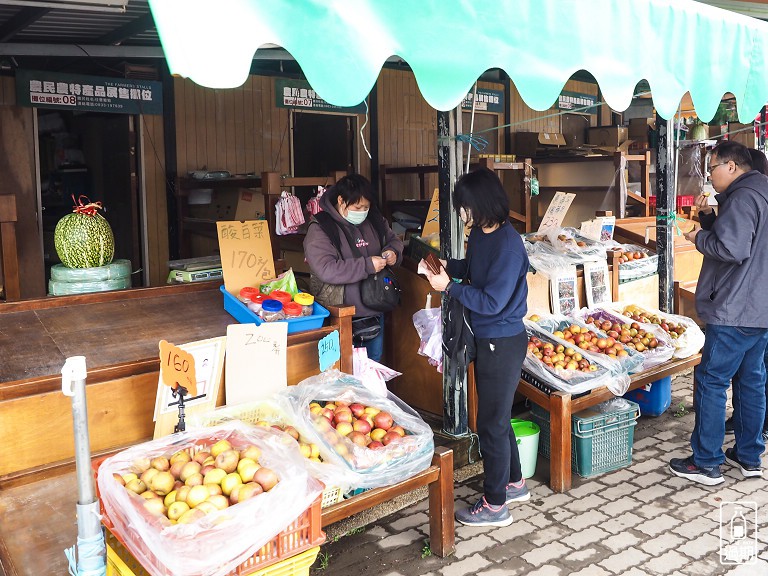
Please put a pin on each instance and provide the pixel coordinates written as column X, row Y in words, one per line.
column 438, row 478
column 562, row 405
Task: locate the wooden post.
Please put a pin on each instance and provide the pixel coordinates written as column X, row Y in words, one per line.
column 442, row 534
column 341, row 318
column 560, row 441
column 10, row 255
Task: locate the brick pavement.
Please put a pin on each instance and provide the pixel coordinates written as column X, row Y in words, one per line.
column 637, row 521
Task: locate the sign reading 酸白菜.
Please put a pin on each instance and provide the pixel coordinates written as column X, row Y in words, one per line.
column 41, row 89
column 299, row 94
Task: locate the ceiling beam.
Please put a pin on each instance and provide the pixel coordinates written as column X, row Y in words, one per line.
column 120, row 35
column 20, row 21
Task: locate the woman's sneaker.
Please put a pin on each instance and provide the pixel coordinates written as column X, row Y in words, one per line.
column 483, row 514
column 746, row 471
column 517, row 492
column 687, row 468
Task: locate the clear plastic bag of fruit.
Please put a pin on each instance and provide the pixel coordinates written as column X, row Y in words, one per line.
column 210, row 541
column 659, row 347
column 590, row 370
column 565, row 243
column 607, row 342
column 276, row 412
column 394, row 458
column 685, row 334
column 636, row 262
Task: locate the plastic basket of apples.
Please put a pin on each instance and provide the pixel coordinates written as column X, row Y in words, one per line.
column 649, row 339
column 217, row 501
column 271, row 413
column 380, row 439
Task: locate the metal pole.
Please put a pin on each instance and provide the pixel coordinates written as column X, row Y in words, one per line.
column 91, row 550
column 666, row 207
column 455, row 421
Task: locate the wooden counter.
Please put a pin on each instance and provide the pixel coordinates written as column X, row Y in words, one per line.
column 118, row 332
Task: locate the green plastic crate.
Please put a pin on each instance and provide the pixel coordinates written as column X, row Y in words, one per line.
column 600, row 442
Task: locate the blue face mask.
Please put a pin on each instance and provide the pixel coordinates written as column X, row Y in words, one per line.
column 356, row 217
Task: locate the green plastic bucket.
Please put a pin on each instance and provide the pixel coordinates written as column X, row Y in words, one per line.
column 527, row 434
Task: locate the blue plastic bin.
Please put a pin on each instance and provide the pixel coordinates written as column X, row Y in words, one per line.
column 240, row 312
column 654, row 398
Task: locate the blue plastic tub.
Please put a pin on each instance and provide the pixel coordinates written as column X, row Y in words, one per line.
column 654, row 398
column 240, row 312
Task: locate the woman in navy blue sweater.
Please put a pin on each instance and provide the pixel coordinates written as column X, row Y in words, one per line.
column 496, row 266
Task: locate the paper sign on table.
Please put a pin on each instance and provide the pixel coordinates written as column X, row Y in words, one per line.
column 329, row 350
column 256, row 361
column 553, row 218
column 432, row 221
column 177, row 368
column 208, row 358
column 246, row 253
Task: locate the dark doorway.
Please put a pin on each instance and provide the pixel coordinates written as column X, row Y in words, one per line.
column 93, row 155
column 486, row 125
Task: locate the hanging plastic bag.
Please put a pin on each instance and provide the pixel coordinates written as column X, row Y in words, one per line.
column 219, row 541
column 288, row 214
column 313, row 204
column 685, row 334
column 399, row 458
column 429, row 325
column 372, row 374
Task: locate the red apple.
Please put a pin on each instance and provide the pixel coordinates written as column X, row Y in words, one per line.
column 390, row 437
column 357, row 409
column 362, row 426
column 383, row 420
column 374, row 444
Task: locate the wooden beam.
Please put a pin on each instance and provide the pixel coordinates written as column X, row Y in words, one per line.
column 21, row 20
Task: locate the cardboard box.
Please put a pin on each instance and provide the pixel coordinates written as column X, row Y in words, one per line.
column 231, row 204
column 533, row 143
column 742, row 133
column 613, row 136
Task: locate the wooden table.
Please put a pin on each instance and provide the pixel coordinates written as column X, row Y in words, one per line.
column 562, row 405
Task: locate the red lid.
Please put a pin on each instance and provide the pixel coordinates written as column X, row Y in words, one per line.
column 248, row 291
column 280, row 295
column 258, row 298
column 292, row 309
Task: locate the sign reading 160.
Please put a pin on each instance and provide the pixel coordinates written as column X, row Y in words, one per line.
column 177, row 363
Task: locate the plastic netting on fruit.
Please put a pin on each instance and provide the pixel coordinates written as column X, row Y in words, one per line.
column 653, row 355
column 370, row 468
column 599, row 370
column 686, row 343
column 218, row 541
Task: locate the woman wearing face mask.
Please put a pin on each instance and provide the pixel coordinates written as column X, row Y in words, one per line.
column 336, row 274
column 496, row 266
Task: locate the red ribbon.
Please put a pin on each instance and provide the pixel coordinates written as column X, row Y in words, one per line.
column 89, row 208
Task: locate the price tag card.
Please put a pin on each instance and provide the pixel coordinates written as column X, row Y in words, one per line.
column 246, row 253
column 177, row 368
column 432, row 222
column 256, row 361
column 329, row 350
column 553, row 218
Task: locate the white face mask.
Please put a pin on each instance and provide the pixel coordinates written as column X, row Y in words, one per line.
column 466, row 216
column 356, row 217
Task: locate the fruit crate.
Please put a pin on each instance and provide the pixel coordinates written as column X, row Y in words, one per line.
column 254, row 412
column 121, row 563
column 600, row 441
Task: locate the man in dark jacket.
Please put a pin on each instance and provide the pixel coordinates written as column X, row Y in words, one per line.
column 731, row 299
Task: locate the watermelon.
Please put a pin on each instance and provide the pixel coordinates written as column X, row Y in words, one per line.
column 84, row 238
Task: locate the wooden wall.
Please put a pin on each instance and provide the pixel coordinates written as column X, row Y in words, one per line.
column 154, row 173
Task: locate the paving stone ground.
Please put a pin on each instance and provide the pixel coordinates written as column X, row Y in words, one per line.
column 636, row 521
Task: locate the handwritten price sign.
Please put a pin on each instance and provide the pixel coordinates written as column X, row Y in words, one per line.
column 246, row 254
column 329, row 350
column 177, row 367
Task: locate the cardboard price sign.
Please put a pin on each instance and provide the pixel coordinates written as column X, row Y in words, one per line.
column 246, row 254
column 432, row 222
column 177, row 367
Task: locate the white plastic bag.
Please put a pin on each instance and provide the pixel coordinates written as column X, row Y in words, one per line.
column 372, row 374
column 429, row 325
column 288, row 214
column 218, row 542
column 686, row 344
column 370, row 468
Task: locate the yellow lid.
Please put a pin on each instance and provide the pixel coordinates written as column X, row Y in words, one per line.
column 304, row 299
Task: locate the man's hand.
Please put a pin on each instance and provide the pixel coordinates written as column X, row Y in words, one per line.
column 691, row 235
column 378, row 263
column 702, row 203
column 390, row 256
column 439, row 281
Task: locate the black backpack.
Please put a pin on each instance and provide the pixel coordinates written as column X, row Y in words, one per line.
column 458, row 336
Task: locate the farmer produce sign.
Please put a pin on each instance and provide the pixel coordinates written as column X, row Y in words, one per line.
column 40, row 89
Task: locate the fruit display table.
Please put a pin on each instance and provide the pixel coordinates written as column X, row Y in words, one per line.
column 561, row 406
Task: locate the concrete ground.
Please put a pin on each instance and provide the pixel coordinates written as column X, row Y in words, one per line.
column 637, row 521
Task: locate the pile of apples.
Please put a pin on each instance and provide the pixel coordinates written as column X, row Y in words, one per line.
column 627, row 256
column 362, row 425
column 197, row 481
column 632, row 335
column 639, row 315
column 309, row 450
column 558, row 357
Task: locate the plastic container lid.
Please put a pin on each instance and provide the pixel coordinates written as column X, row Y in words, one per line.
column 270, row 305
column 304, row 299
column 248, row 291
column 280, row 295
column 258, row 298
column 292, row 309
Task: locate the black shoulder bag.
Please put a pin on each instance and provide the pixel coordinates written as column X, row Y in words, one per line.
column 458, row 336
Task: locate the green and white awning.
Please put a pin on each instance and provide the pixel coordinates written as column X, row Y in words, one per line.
column 678, row 46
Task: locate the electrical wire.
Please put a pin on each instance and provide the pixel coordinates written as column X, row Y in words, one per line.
column 362, row 136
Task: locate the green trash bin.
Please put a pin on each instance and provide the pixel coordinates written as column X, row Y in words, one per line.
column 527, row 434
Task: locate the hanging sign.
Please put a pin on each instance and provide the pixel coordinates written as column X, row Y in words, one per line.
column 582, row 103
column 41, row 89
column 486, row 100
column 299, row 94
column 329, row 350
column 246, row 253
